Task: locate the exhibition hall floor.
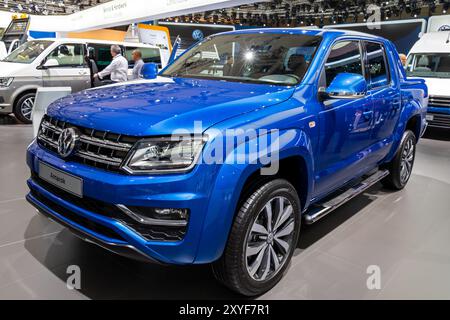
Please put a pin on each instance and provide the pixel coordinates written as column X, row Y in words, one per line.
column 405, row 234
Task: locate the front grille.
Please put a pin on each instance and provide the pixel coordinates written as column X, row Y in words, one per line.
column 439, row 101
column 439, row 120
column 152, row 233
column 100, row 149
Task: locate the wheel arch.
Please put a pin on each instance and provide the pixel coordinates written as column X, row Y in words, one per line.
column 23, row 93
column 234, row 180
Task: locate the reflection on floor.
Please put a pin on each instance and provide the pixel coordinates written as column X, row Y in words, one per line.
column 406, row 234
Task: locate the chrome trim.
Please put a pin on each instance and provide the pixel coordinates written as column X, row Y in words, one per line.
column 320, row 210
column 105, row 143
column 99, row 158
column 346, row 95
column 82, row 235
column 149, row 221
column 439, row 101
column 52, row 143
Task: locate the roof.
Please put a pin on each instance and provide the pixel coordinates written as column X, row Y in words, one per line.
column 306, row 31
column 433, row 42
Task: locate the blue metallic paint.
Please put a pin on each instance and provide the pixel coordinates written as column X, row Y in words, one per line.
column 348, row 138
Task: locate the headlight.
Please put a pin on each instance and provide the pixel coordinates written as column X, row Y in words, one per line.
column 164, row 155
column 5, row 82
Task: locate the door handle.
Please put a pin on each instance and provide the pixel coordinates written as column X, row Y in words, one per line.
column 82, row 73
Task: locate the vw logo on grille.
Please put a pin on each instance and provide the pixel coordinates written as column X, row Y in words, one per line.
column 68, row 141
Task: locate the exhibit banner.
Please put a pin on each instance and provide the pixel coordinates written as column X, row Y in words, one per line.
column 156, row 36
column 190, row 33
column 123, row 12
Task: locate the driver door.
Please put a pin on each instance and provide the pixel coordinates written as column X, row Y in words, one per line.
column 69, row 68
column 345, row 124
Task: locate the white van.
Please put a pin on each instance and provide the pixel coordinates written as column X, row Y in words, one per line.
column 430, row 59
column 58, row 63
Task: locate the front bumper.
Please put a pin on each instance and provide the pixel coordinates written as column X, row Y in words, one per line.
column 6, row 104
column 168, row 191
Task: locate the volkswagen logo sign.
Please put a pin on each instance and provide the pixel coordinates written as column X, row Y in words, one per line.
column 197, row 35
column 67, row 142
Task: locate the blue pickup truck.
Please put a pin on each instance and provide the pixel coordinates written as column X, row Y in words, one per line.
column 220, row 158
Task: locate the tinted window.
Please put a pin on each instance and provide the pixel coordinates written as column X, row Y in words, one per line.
column 68, row 55
column 378, row 73
column 345, row 57
column 435, row 65
column 101, row 54
column 256, row 58
column 148, row 55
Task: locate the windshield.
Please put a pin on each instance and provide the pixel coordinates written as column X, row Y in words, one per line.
column 255, row 58
column 429, row 65
column 28, row 52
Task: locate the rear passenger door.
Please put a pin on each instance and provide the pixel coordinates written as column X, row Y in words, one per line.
column 345, row 124
column 386, row 99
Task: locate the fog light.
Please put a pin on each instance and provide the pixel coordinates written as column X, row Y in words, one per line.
column 157, row 216
column 172, row 214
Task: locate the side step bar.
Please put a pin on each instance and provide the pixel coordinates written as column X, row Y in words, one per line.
column 320, row 210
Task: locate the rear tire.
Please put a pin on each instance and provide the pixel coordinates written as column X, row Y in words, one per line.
column 402, row 165
column 258, row 252
column 24, row 107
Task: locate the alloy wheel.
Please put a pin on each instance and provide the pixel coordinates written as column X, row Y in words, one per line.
column 27, row 107
column 270, row 239
column 407, row 161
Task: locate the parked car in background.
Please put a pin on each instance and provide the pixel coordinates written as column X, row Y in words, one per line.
column 58, row 63
column 128, row 167
column 430, row 59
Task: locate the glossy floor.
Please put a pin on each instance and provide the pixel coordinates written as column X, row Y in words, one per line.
column 405, row 234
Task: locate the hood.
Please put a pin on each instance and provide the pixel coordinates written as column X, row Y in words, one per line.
column 9, row 69
column 438, row 86
column 147, row 108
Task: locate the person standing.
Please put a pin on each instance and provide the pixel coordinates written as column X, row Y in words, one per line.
column 403, row 59
column 138, row 64
column 118, row 68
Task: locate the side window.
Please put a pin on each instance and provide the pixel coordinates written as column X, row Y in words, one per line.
column 101, row 54
column 68, row 55
column 345, row 57
column 148, row 55
column 377, row 68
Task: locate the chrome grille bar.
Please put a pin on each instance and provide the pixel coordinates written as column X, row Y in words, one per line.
column 439, row 101
column 98, row 148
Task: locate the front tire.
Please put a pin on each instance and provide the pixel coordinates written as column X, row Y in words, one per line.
column 402, row 165
column 263, row 238
column 24, row 107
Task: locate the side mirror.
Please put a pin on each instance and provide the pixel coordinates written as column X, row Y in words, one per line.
column 150, row 71
column 50, row 63
column 345, row 86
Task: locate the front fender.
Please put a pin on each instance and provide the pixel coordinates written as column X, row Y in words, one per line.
column 231, row 178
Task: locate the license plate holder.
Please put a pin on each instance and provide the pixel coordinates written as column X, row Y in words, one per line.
column 61, row 180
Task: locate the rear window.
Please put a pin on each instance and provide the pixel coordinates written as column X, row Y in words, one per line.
column 378, row 71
